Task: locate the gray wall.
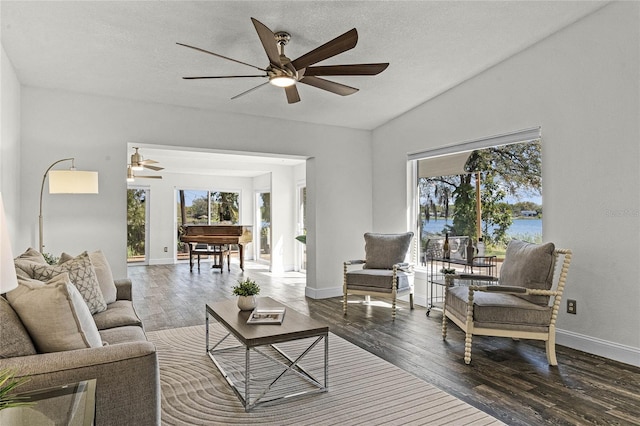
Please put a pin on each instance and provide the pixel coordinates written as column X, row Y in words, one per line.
column 581, row 86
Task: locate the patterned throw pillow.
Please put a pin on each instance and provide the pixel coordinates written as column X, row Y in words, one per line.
column 81, row 274
column 103, row 273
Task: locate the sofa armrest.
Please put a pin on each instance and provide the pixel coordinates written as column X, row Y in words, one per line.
column 123, row 288
column 127, row 379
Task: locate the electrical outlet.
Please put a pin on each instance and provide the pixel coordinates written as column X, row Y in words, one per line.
column 166, row 249
column 572, row 307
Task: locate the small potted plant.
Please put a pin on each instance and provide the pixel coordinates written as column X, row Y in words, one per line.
column 246, row 291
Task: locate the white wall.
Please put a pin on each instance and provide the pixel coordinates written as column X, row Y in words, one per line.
column 10, row 148
column 582, row 86
column 95, row 130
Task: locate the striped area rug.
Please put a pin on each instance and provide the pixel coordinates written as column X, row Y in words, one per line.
column 363, row 389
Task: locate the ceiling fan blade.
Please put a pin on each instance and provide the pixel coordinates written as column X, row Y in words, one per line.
column 292, row 94
column 330, row 86
column 268, row 40
column 225, row 76
column 353, row 69
column 338, row 45
column 155, row 168
column 220, row 56
column 250, row 90
column 143, row 162
column 146, row 177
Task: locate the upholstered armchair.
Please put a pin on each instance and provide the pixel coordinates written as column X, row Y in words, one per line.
column 383, row 273
column 524, row 304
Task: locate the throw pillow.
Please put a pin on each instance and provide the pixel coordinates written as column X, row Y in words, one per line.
column 82, row 275
column 54, row 314
column 103, row 274
column 385, row 250
column 15, row 339
column 32, row 255
column 529, row 265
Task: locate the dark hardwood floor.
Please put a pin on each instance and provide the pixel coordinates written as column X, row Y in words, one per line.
column 507, row 379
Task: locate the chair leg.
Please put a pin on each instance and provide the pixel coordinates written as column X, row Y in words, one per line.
column 393, row 309
column 467, row 348
column 344, row 304
column 551, row 349
column 411, row 300
column 444, row 325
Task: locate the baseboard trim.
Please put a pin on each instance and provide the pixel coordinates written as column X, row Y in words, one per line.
column 324, row 293
column 592, row 345
column 164, row 261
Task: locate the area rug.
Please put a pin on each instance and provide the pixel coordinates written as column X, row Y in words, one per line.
column 363, row 389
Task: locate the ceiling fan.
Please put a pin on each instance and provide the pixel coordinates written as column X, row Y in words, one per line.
column 131, row 176
column 283, row 72
column 138, row 163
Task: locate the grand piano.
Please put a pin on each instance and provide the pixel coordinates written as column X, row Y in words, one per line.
column 216, row 235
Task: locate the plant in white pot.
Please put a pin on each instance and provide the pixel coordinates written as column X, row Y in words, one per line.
column 246, row 291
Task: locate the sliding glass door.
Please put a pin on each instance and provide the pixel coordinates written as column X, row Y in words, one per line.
column 137, row 225
column 263, row 225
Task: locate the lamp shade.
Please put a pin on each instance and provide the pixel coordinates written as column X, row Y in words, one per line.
column 8, row 278
column 73, row 182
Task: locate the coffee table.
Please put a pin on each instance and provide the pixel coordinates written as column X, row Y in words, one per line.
column 268, row 343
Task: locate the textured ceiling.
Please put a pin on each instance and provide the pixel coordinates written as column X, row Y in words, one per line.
column 128, row 49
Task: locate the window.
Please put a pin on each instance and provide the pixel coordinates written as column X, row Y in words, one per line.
column 200, row 207
column 492, row 191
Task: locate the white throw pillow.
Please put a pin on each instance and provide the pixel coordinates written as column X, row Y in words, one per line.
column 82, row 275
column 54, row 314
column 103, row 274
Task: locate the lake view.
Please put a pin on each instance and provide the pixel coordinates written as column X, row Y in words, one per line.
column 518, row 227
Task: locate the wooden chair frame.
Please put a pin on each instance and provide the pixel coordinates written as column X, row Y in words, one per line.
column 549, row 337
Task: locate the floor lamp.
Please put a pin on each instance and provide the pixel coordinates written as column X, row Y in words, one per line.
column 70, row 181
column 8, row 279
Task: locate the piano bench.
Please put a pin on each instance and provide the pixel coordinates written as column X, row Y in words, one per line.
column 218, row 251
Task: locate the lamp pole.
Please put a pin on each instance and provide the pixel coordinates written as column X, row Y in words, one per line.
column 44, row 177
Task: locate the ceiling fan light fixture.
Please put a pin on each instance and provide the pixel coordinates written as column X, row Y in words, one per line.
column 137, row 167
column 282, row 81
column 130, row 176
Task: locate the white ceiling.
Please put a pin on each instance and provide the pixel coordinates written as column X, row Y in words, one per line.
column 128, row 49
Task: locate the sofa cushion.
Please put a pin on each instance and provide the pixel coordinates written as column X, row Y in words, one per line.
column 118, row 314
column 385, row 250
column 14, row 337
column 497, row 310
column 54, row 314
column 378, row 280
column 103, row 274
column 113, row 336
column 82, row 275
column 529, row 265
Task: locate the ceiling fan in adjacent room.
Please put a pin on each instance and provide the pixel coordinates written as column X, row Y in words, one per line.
column 286, row 73
column 132, row 176
column 138, row 163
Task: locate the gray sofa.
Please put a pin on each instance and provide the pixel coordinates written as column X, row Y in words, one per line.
column 125, row 366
